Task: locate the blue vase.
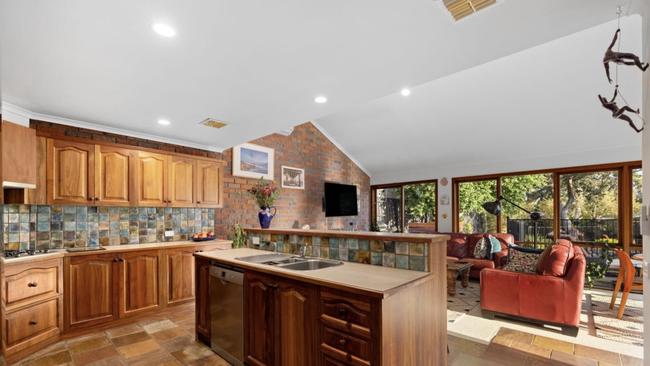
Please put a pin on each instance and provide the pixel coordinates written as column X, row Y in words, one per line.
column 265, row 216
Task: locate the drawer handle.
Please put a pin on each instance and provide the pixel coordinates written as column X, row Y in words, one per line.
column 32, row 284
column 343, row 342
column 343, row 311
column 33, row 322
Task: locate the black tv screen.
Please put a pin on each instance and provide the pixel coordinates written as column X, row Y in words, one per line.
column 340, row 200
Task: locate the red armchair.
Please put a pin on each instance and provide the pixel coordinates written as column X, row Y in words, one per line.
column 542, row 298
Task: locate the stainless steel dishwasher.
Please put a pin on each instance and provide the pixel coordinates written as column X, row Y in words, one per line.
column 227, row 313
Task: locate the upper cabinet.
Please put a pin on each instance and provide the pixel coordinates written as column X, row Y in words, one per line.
column 70, row 172
column 113, row 175
column 181, row 181
column 18, row 156
column 151, row 179
column 209, row 183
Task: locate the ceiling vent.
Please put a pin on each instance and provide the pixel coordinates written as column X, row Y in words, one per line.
column 214, row 123
column 459, row 9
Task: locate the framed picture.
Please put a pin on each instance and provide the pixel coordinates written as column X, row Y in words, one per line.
column 252, row 161
column 293, row 178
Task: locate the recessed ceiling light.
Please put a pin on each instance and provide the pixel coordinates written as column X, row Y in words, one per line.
column 405, row 92
column 320, row 99
column 164, row 30
column 164, row 122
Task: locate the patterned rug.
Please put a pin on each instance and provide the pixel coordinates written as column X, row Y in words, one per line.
column 601, row 322
column 596, row 319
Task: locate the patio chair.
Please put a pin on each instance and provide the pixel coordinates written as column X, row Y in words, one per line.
column 626, row 279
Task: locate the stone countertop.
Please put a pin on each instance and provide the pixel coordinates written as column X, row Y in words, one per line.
column 57, row 253
column 371, row 280
column 371, row 235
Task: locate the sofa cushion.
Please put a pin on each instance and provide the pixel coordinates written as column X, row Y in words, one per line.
column 482, row 249
column 555, row 259
column 452, row 259
column 472, row 240
column 457, row 247
column 522, row 259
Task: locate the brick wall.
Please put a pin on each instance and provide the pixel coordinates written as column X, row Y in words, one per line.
column 305, row 148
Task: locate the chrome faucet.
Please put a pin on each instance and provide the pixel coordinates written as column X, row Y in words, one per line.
column 302, row 250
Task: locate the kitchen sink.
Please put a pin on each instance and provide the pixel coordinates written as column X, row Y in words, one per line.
column 265, row 258
column 308, row 264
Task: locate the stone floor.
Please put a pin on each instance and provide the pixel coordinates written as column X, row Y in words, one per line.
column 168, row 339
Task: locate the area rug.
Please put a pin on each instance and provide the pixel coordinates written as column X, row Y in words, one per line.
column 600, row 321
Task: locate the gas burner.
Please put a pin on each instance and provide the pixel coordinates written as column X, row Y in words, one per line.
column 42, row 251
column 10, row 253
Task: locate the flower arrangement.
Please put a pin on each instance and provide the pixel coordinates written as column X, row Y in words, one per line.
column 265, row 193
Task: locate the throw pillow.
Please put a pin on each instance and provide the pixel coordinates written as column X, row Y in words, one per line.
column 495, row 244
column 482, row 249
column 522, row 259
column 457, row 248
column 555, row 258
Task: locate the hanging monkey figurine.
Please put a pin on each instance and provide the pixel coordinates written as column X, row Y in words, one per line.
column 624, row 58
column 619, row 112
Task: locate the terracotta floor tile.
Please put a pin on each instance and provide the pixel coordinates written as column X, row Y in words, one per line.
column 138, row 349
column 168, row 334
column 569, row 359
column 631, row 361
column 159, row 326
column 192, row 353
column 88, row 357
column 503, row 355
column 553, row 344
column 212, row 360
column 89, row 344
column 56, row 359
column 531, row 349
column 124, row 330
column 178, row 343
column 113, row 361
column 505, row 336
column 538, row 361
column 158, row 358
column 597, row 354
column 130, row 339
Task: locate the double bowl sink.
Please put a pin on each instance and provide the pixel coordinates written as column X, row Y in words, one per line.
column 290, row 261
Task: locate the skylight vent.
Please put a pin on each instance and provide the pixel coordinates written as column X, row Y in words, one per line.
column 214, row 123
column 459, row 9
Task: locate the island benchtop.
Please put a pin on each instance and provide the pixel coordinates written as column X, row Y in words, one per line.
column 369, row 235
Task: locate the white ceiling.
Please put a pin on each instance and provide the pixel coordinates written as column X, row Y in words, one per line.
column 259, row 64
column 536, row 103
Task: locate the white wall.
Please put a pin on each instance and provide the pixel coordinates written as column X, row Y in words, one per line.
column 541, row 161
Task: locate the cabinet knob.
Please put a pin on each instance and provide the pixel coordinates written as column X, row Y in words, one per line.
column 343, row 311
column 33, row 322
column 343, row 341
column 116, row 259
column 32, row 284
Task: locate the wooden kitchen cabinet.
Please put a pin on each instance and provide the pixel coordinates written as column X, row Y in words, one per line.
column 151, row 179
column 70, row 172
column 202, row 301
column 113, row 175
column 138, row 282
column 90, row 290
column 180, row 275
column 181, row 181
column 18, row 146
column 209, row 183
column 281, row 321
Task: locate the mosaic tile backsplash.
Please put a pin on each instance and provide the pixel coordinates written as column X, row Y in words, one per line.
column 50, row 227
column 412, row 256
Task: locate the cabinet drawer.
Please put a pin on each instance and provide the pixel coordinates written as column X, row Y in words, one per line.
column 23, row 324
column 346, row 343
column 31, row 283
column 343, row 313
column 334, row 356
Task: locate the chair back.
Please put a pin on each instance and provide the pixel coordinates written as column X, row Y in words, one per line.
column 626, row 267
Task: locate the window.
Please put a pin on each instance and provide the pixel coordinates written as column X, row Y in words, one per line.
column 637, row 197
column 589, row 207
column 472, row 218
column 400, row 205
column 533, row 192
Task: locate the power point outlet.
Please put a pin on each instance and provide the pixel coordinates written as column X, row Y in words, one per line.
column 256, row 240
column 169, row 233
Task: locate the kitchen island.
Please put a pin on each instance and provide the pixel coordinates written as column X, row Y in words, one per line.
column 352, row 313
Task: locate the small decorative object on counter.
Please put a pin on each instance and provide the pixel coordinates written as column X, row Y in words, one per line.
column 265, row 193
column 203, row 236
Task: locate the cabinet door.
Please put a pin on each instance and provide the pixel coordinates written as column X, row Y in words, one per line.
column 202, row 283
column 181, row 181
column 89, row 290
column 151, row 179
column 209, row 183
column 259, row 319
column 112, row 175
column 18, row 154
column 180, row 275
column 297, row 306
column 70, row 172
column 139, row 284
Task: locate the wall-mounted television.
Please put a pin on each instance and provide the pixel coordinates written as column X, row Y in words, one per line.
column 340, row 200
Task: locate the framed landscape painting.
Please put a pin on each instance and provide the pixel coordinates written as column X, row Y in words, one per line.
column 252, row 161
column 293, row 178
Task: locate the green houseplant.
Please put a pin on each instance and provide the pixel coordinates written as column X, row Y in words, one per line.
column 238, row 237
column 597, row 266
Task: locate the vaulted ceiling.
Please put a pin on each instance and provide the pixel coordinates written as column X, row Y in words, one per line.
column 259, row 65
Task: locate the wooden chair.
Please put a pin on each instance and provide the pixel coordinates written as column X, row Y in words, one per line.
column 626, row 278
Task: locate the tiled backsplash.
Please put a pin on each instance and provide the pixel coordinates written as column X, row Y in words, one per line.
column 47, row 227
column 394, row 254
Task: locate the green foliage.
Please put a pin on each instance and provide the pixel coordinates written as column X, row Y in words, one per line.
column 420, row 202
column 264, row 192
column 238, row 237
column 472, row 195
column 597, row 267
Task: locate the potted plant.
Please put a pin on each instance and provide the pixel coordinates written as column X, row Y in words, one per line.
column 597, row 266
column 239, row 236
column 265, row 194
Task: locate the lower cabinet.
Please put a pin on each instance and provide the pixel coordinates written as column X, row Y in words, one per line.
column 180, row 275
column 139, row 282
column 281, row 321
column 202, row 275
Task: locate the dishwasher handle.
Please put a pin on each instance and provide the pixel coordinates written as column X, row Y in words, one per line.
column 227, row 275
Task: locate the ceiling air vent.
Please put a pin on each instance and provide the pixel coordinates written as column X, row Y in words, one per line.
column 213, row 123
column 459, row 9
